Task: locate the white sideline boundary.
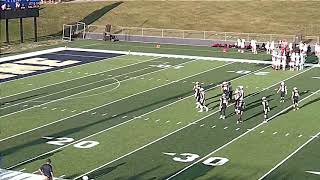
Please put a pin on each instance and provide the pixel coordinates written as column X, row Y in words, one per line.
column 30, row 54
column 288, row 157
column 182, row 56
column 235, row 139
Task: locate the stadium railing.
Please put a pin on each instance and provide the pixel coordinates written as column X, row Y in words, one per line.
column 194, row 34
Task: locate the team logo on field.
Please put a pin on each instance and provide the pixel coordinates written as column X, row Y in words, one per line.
column 31, row 65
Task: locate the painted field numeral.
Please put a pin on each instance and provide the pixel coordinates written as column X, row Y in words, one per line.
column 190, row 157
column 61, row 141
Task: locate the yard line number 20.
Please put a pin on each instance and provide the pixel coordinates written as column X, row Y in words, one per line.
column 65, row 140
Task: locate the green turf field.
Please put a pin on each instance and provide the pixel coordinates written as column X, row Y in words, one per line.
column 134, row 117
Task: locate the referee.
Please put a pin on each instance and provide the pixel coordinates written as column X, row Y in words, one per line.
column 47, row 170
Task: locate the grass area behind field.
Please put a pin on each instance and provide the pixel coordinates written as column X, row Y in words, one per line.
column 252, row 16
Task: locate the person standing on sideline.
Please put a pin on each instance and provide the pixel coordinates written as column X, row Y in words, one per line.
column 268, row 47
column 239, row 44
column 272, row 46
column 243, row 44
column 317, row 51
column 47, row 170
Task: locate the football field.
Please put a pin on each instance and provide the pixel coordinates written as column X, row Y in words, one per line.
column 109, row 113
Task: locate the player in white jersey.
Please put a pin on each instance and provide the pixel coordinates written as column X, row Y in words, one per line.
column 278, row 59
column 297, row 62
column 254, row 46
column 301, row 46
column 290, row 48
column 274, row 59
column 223, row 106
column 284, row 62
column 305, row 48
column 243, row 44
column 239, row 45
column 292, row 61
column 268, row 47
column 272, row 46
column 283, row 91
column 203, row 101
column 302, row 60
column 266, row 108
column 317, row 51
column 295, row 98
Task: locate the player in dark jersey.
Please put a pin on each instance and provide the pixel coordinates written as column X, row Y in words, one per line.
column 196, row 89
column 225, row 88
column 203, row 101
column 283, row 91
column 223, row 106
column 230, row 91
column 295, row 98
column 239, row 111
column 266, row 108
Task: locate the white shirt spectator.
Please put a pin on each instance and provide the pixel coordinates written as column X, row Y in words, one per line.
column 272, row 46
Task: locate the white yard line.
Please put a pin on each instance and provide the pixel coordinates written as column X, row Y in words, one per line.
column 111, row 103
column 68, row 97
column 288, row 157
column 233, row 140
column 60, row 82
column 107, row 128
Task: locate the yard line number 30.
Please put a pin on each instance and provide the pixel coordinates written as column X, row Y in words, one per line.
column 190, row 157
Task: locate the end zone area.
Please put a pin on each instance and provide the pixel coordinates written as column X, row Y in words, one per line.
column 133, row 116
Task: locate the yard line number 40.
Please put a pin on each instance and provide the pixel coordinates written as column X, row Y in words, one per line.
column 61, row 141
column 190, row 157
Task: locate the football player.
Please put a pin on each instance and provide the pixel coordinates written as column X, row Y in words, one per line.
column 223, row 106
column 241, row 93
column 239, row 111
column 196, row 89
column 230, row 90
column 266, row 108
column 295, row 98
column 225, row 88
column 203, row 101
column 283, row 91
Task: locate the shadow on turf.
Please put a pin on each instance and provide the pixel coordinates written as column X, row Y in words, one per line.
column 24, row 98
